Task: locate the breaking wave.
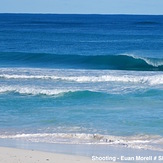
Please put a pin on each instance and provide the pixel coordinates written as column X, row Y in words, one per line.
column 148, row 79
column 117, row 62
column 33, row 91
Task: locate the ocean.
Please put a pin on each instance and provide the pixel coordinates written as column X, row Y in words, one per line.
column 82, row 79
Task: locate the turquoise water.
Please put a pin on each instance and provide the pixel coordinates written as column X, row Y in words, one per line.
column 82, row 79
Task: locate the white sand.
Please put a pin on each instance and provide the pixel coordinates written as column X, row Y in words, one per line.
column 12, row 155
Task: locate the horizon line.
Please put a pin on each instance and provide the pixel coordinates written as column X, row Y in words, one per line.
column 37, row 13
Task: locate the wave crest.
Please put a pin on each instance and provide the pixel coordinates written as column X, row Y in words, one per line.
column 150, row 61
column 117, row 62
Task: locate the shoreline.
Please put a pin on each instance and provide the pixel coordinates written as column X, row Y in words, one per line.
column 13, row 155
column 13, row 151
column 17, row 155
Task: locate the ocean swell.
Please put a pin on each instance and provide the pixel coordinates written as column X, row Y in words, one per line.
column 117, row 62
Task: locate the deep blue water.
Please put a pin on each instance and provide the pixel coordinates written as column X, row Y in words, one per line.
column 64, row 78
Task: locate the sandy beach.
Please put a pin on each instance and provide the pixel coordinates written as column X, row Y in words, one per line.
column 13, row 155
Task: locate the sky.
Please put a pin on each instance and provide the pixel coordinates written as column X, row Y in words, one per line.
column 83, row 6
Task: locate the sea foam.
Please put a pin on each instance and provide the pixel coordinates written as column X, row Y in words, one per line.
column 147, row 142
column 148, row 79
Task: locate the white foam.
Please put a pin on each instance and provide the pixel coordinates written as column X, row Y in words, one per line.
column 152, row 62
column 148, row 79
column 33, row 91
column 138, row 141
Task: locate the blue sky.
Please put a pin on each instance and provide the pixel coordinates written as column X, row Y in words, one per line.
column 82, row 6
